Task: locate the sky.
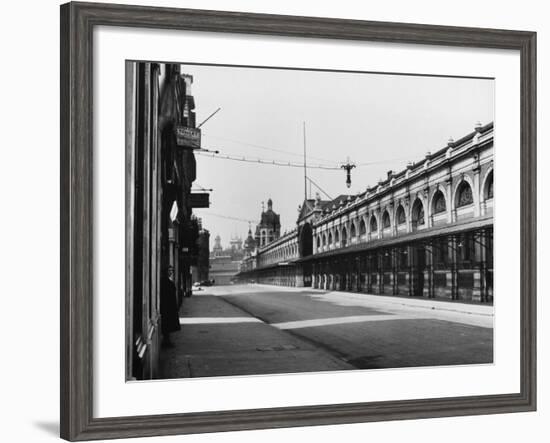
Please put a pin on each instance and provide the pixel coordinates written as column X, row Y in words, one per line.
column 379, row 119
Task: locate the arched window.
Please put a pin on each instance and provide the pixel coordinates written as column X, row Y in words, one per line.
column 324, row 239
column 439, row 204
column 352, row 230
column 373, row 224
column 318, row 241
column 386, row 220
column 464, row 196
column 336, row 235
column 344, row 236
column 305, row 240
column 330, row 238
column 488, row 192
column 400, row 215
column 362, row 227
column 417, row 213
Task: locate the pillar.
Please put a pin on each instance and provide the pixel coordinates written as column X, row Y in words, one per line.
column 428, row 290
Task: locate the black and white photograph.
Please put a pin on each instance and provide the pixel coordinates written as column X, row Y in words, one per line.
column 289, row 220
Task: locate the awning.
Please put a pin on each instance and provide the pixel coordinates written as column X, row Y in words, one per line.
column 435, row 231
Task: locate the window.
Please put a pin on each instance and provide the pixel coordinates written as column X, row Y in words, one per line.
column 386, row 220
column 352, row 230
column 401, row 219
column 362, row 227
column 336, row 235
column 373, row 224
column 464, row 195
column 439, row 204
column 330, row 238
column 417, row 213
column 489, row 186
column 344, row 237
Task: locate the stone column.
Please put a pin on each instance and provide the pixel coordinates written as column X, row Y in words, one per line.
column 449, row 200
column 477, row 186
column 427, row 208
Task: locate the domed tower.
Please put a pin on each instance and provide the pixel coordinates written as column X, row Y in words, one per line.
column 269, row 228
column 249, row 243
column 236, row 243
column 217, row 249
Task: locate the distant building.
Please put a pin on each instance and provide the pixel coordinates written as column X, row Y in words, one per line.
column 217, row 250
column 249, row 243
column 200, row 269
column 225, row 262
column 269, row 228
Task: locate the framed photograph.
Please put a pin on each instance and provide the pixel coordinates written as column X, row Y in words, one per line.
column 272, row 221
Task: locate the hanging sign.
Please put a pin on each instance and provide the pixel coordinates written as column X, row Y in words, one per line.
column 200, row 200
column 188, row 137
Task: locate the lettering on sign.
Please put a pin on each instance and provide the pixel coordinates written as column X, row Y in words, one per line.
column 188, row 137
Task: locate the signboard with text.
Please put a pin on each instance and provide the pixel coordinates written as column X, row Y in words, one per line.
column 188, row 137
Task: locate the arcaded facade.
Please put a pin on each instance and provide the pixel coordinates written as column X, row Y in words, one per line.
column 424, row 231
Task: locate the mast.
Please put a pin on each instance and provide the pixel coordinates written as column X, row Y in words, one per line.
column 305, row 165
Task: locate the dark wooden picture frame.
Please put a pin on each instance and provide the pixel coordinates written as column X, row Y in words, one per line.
column 77, row 24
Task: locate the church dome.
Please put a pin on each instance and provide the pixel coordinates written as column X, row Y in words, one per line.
column 270, row 218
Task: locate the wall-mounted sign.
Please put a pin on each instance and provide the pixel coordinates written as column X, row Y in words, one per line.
column 188, row 137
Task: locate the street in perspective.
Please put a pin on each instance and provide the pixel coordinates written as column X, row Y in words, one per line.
column 260, row 329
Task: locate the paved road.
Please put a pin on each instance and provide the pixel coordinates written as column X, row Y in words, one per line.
column 254, row 329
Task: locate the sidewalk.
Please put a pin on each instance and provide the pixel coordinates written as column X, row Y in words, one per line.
column 466, row 313
column 413, row 302
column 218, row 339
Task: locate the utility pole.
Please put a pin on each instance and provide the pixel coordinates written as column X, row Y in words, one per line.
column 305, row 164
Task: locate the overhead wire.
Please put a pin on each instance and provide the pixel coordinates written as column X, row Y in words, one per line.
column 266, row 161
column 228, row 217
column 266, row 148
column 275, row 162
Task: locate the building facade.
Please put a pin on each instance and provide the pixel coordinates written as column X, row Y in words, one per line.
column 425, row 231
column 269, row 228
column 161, row 231
column 225, row 263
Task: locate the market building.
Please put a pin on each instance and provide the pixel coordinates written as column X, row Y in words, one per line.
column 425, row 231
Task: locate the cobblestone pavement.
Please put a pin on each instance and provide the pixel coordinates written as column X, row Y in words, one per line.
column 255, row 329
